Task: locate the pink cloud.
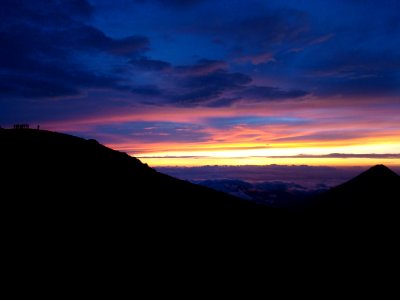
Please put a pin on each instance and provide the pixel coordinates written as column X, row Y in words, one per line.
column 257, row 59
column 322, row 39
column 203, row 67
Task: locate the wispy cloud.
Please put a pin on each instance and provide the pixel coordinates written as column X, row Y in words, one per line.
column 257, row 59
column 346, row 155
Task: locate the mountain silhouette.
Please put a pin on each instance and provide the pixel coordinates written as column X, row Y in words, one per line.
column 377, row 185
column 370, row 201
column 66, row 181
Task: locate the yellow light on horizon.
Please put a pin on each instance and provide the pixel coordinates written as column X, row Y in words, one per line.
column 232, row 153
column 275, row 156
column 203, row 161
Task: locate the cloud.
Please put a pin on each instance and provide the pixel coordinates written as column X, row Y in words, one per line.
column 145, row 64
column 271, row 93
column 268, row 181
column 32, row 87
column 218, row 79
column 304, row 175
column 209, row 83
column 154, row 132
column 354, row 72
column 205, row 90
column 260, row 35
column 89, row 38
column 279, row 185
column 46, row 50
column 199, row 84
column 321, row 39
column 130, row 45
column 281, row 194
column 267, row 28
column 180, row 3
column 347, row 155
column 203, row 67
column 147, row 90
column 80, row 7
column 46, row 12
column 358, row 63
column 198, row 97
column 368, row 86
column 223, row 102
column 174, row 3
column 257, row 59
column 251, row 121
column 39, row 79
column 337, row 135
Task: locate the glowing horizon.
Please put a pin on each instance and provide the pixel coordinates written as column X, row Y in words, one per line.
column 338, row 156
column 202, row 136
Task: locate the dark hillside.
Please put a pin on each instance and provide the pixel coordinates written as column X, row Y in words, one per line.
column 49, row 175
column 367, row 203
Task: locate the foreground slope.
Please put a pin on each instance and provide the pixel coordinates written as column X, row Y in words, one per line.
column 52, row 175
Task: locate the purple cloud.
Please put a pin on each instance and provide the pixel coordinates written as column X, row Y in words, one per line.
column 147, row 90
column 202, row 67
column 262, row 93
column 42, row 57
column 174, row 3
column 145, row 64
column 150, row 132
column 347, row 155
column 257, row 59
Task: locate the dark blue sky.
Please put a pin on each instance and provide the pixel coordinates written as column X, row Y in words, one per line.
column 193, row 71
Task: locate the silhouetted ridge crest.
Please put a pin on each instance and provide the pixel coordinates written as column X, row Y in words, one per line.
column 378, row 172
column 71, row 175
column 369, row 200
column 378, row 179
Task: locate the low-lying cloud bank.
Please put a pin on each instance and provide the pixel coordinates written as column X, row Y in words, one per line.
column 276, row 185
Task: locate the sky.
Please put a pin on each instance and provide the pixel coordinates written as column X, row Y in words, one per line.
column 204, row 82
